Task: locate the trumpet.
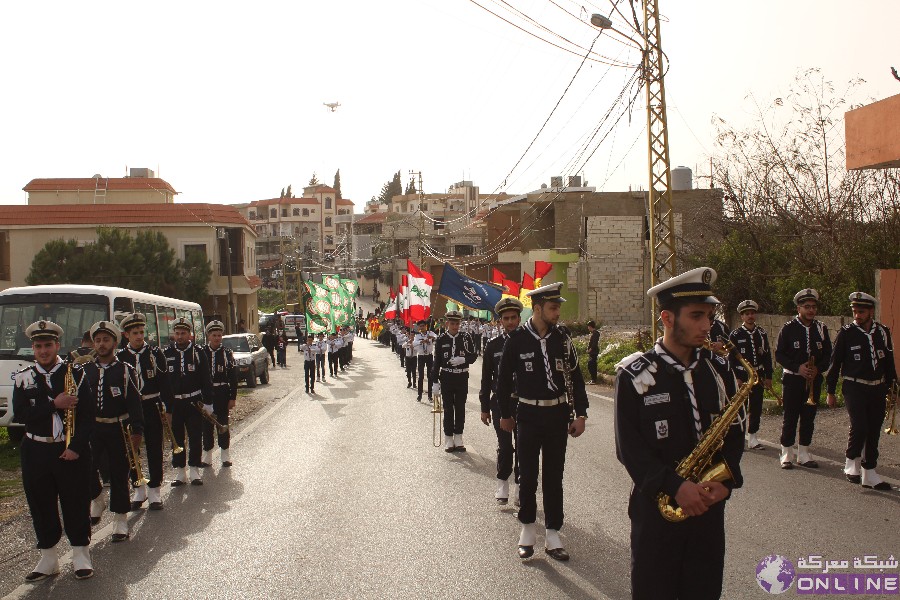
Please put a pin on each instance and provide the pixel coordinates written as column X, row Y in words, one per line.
column 437, row 408
column 134, row 457
column 176, row 449
column 210, row 418
column 71, row 389
column 890, row 414
column 811, row 383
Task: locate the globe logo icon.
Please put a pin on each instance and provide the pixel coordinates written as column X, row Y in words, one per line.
column 775, row 574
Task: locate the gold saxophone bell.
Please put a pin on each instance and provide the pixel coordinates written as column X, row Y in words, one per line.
column 436, row 409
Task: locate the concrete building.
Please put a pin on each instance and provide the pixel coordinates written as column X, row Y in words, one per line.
column 140, row 187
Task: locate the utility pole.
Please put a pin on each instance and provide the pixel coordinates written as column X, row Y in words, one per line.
column 222, row 234
column 412, row 176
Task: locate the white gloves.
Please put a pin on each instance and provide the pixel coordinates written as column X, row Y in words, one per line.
column 457, row 360
column 436, row 388
column 208, row 409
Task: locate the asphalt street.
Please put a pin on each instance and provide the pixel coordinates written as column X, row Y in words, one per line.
column 341, row 495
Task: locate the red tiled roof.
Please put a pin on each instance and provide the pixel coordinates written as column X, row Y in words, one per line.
column 345, row 202
column 323, row 188
column 379, row 217
column 274, row 201
column 254, row 281
column 88, row 184
column 121, row 214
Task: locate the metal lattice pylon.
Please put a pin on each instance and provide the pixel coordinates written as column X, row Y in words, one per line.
column 661, row 217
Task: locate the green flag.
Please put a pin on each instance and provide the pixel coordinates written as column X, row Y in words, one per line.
column 319, row 310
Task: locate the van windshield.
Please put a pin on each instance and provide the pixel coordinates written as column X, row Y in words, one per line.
column 18, row 312
column 236, row 344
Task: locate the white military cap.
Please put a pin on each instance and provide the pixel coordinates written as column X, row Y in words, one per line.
column 747, row 305
column 183, row 323
column 693, row 286
column 132, row 320
column 550, row 292
column 47, row 330
column 804, row 295
column 862, row 299
column 453, row 315
column 109, row 327
column 215, row 326
column 508, row 303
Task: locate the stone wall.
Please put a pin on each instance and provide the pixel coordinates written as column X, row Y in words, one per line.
column 773, row 324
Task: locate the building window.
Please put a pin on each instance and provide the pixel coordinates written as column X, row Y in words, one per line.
column 284, row 212
column 273, row 213
column 329, row 240
column 252, row 215
column 327, row 221
column 296, row 231
column 424, row 207
column 195, row 249
column 305, row 230
column 439, row 223
column 327, row 203
column 296, row 212
column 463, row 250
column 305, row 212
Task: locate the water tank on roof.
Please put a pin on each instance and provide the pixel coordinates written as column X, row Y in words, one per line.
column 682, row 178
column 575, row 181
column 556, row 181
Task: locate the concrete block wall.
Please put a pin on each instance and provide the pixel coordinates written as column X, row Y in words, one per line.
column 615, row 273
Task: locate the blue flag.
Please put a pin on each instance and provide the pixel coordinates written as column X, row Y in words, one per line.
column 471, row 293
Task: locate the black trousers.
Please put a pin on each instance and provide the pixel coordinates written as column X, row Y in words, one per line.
column 153, row 441
column 332, row 363
column 350, row 352
column 454, row 387
column 411, row 364
column 425, row 363
column 309, row 374
column 220, row 410
column 402, row 358
column 271, row 352
column 795, row 409
column 320, row 366
column 756, row 404
column 108, row 438
column 507, row 458
column 186, row 417
column 50, row 481
column 393, row 342
column 542, row 433
column 675, row 560
column 592, row 366
column 477, row 341
column 865, row 405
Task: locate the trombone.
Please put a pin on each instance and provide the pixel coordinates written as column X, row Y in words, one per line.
column 134, row 458
column 167, row 427
column 437, row 408
column 890, row 414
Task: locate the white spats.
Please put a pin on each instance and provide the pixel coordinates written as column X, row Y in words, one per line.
column 448, row 442
column 515, row 494
column 81, row 558
column 194, row 474
column 179, row 474
column 97, row 507
column 502, row 492
column 528, row 535
column 153, row 495
column 458, row 440
column 226, row 455
column 120, row 524
column 553, row 541
column 852, row 466
column 49, row 562
column 787, row 455
column 140, row 494
column 803, row 454
column 752, row 441
column 870, row 478
column 206, row 457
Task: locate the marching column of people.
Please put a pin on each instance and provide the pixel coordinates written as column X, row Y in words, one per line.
column 223, row 376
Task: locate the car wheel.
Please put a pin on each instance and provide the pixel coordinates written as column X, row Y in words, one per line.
column 251, row 378
column 264, row 378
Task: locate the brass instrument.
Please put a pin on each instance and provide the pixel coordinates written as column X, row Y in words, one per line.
column 811, row 383
column 567, row 378
column 778, row 398
column 210, row 418
column 890, row 414
column 697, row 466
column 167, row 428
column 134, row 457
column 436, row 409
column 71, row 389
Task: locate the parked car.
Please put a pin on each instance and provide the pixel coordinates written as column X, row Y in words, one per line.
column 290, row 325
column 251, row 358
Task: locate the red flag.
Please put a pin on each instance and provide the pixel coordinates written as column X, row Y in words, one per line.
column 541, row 268
column 497, row 276
column 527, row 282
column 512, row 288
column 391, row 292
column 418, row 273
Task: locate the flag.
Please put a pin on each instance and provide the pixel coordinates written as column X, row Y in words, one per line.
column 318, row 309
column 390, row 310
column 541, row 269
column 512, row 288
column 420, row 284
column 497, row 276
column 527, row 286
column 340, row 301
column 471, row 293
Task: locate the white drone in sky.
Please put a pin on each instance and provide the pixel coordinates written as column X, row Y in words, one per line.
column 332, row 105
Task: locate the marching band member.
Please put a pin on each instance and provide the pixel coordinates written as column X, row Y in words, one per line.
column 802, row 340
column 113, row 386
column 538, row 365
column 191, row 383
column 223, row 373
column 411, row 361
column 334, row 348
column 403, row 336
column 153, row 378
column 321, row 350
column 752, row 343
column 423, row 343
column 864, row 356
column 54, row 477
column 87, row 346
column 454, row 351
column 310, row 351
column 509, row 310
column 665, row 400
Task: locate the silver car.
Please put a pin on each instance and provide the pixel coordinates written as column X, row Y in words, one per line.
column 251, row 358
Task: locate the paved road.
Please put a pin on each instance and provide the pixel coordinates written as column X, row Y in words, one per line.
column 341, row 495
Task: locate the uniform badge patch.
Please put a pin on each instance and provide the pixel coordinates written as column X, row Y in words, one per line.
column 220, row 368
column 151, row 373
column 528, row 366
column 171, row 369
column 662, row 429
column 190, row 367
column 796, row 344
column 856, row 357
column 657, row 399
column 115, row 391
column 559, row 364
column 819, row 345
column 881, row 354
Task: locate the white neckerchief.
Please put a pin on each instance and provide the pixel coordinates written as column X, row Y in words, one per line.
column 137, row 363
column 453, row 343
column 687, row 374
column 551, row 385
column 868, row 335
column 58, row 429
column 102, row 369
column 752, row 333
column 181, row 353
column 212, row 361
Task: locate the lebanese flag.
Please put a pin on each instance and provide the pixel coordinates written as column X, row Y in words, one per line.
column 541, row 268
column 512, row 288
column 419, row 295
column 497, row 276
column 402, row 306
column 390, row 311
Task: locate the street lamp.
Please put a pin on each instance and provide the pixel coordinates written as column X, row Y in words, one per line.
column 598, row 20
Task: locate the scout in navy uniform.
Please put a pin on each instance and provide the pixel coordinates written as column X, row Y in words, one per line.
column 752, row 343
column 864, row 356
column 54, row 476
column 801, row 338
column 112, row 386
column 86, row 348
column 191, row 383
column 665, row 399
column 310, row 351
column 423, row 343
column 321, row 349
column 149, row 364
column 411, row 361
column 509, row 311
column 454, row 351
column 540, row 366
column 223, row 373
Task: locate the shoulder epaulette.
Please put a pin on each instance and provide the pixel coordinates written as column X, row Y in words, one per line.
column 637, row 363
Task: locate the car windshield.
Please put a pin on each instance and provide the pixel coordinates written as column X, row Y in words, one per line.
column 236, row 344
column 74, row 317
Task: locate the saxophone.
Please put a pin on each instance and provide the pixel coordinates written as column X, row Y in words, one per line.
column 697, row 466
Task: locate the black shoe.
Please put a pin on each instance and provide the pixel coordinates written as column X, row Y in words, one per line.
column 135, row 505
column 526, row 552
column 857, row 479
column 312, row 390
column 459, row 449
column 307, row 390
column 118, row 537
column 227, row 464
column 884, row 486
column 37, row 576
column 84, row 573
column 177, row 483
column 408, row 385
column 419, row 399
column 502, row 501
column 204, row 465
column 156, row 506
column 197, row 482
column 558, row 554
column 453, row 449
column 787, row 465
column 810, row 464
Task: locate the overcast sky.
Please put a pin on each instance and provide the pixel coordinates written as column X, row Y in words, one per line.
column 225, row 100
